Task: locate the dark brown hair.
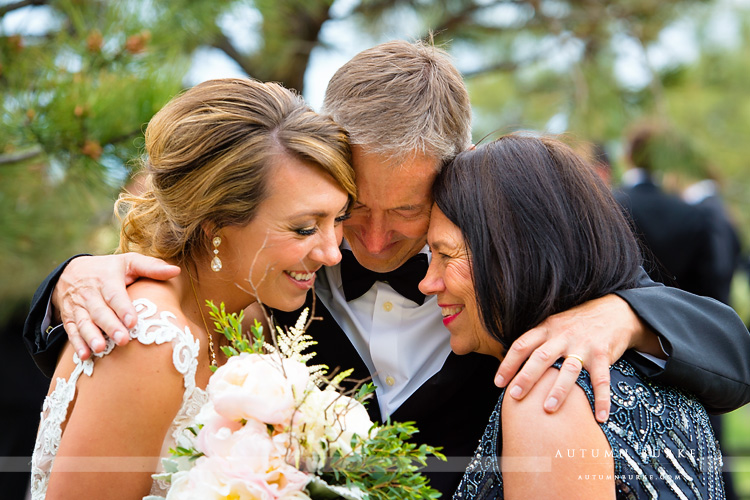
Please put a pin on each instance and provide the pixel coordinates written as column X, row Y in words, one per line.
column 544, row 233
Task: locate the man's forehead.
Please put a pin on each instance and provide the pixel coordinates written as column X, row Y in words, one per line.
column 414, row 162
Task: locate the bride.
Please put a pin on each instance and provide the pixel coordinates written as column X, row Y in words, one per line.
column 247, row 188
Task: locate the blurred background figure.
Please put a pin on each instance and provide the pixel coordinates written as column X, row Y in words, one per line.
column 689, row 244
column 601, row 162
column 725, row 240
column 674, row 234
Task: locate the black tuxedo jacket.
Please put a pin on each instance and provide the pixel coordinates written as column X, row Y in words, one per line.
column 707, row 343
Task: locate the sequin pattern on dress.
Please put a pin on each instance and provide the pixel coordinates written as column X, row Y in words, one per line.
column 662, row 444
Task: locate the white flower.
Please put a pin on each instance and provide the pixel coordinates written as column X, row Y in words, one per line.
column 250, row 467
column 258, row 386
column 326, row 421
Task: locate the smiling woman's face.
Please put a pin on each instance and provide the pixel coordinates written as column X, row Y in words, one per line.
column 296, row 230
column 449, row 277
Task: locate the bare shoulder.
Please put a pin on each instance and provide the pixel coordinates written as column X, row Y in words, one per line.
column 566, row 449
column 136, row 392
column 163, row 294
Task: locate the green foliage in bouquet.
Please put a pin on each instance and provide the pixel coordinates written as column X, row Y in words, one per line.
column 383, row 465
column 386, row 465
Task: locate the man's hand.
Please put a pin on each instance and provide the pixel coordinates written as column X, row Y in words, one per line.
column 598, row 332
column 91, row 295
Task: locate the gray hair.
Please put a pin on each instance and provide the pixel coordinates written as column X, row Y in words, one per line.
column 399, row 99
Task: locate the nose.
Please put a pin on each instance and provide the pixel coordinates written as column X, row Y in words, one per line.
column 375, row 234
column 327, row 250
column 432, row 283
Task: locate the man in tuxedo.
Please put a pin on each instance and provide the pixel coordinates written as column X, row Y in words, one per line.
column 407, row 111
column 725, row 241
column 693, row 245
column 676, row 236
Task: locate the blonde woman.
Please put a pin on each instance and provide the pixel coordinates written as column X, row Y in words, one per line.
column 247, row 189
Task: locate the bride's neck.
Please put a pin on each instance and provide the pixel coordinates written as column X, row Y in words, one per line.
column 201, row 284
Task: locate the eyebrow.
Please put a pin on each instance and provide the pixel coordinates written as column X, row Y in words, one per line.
column 437, row 245
column 318, row 214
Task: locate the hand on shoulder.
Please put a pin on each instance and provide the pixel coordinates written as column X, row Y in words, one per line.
column 120, row 417
column 90, row 297
column 548, row 455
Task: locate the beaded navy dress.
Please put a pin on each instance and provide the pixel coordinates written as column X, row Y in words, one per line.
column 662, row 444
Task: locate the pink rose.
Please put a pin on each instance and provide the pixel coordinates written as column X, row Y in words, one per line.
column 258, row 386
column 218, row 436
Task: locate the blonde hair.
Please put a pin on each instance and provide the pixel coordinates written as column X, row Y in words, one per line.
column 209, row 154
column 400, row 98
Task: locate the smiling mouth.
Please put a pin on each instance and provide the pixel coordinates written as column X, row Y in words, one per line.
column 301, row 277
column 448, row 311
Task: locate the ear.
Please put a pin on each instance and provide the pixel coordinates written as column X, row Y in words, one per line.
column 209, row 229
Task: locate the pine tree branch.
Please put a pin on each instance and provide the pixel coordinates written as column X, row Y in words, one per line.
column 224, row 44
column 11, row 158
column 19, row 5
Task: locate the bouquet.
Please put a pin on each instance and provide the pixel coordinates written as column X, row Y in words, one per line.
column 276, row 428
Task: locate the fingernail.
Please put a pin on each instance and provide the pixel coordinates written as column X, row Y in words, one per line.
column 603, row 415
column 81, row 353
column 550, row 404
column 499, row 381
column 515, row 391
column 119, row 336
column 128, row 319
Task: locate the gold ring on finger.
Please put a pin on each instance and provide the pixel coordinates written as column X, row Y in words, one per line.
column 575, row 356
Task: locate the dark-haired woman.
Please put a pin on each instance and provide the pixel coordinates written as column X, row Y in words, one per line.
column 522, row 229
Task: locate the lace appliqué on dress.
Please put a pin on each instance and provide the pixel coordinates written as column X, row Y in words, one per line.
column 150, row 329
column 661, row 442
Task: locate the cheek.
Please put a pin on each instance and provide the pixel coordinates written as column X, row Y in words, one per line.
column 339, row 232
column 412, row 229
column 458, row 279
column 281, row 255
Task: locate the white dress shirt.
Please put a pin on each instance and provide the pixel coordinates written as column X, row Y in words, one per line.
column 402, row 344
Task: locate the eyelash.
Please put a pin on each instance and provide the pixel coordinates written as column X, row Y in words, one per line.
column 342, row 218
column 305, row 231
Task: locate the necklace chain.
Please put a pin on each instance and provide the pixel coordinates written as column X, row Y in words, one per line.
column 211, row 352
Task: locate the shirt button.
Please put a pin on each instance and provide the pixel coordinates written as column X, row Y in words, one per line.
column 390, row 381
column 387, row 306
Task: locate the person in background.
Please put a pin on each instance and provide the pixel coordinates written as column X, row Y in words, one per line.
column 692, row 242
column 725, row 240
column 675, row 235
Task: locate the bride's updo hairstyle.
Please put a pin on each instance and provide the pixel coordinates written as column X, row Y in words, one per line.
column 209, row 154
column 543, row 231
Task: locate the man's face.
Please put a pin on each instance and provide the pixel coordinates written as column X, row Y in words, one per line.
column 390, row 219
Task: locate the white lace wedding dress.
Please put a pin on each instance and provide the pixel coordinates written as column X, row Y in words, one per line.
column 150, row 329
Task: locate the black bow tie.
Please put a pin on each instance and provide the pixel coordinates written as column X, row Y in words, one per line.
column 405, row 280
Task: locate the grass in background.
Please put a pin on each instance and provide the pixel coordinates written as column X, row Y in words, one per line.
column 736, row 444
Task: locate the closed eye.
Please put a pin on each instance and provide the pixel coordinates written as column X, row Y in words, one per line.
column 343, row 217
column 307, row 231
